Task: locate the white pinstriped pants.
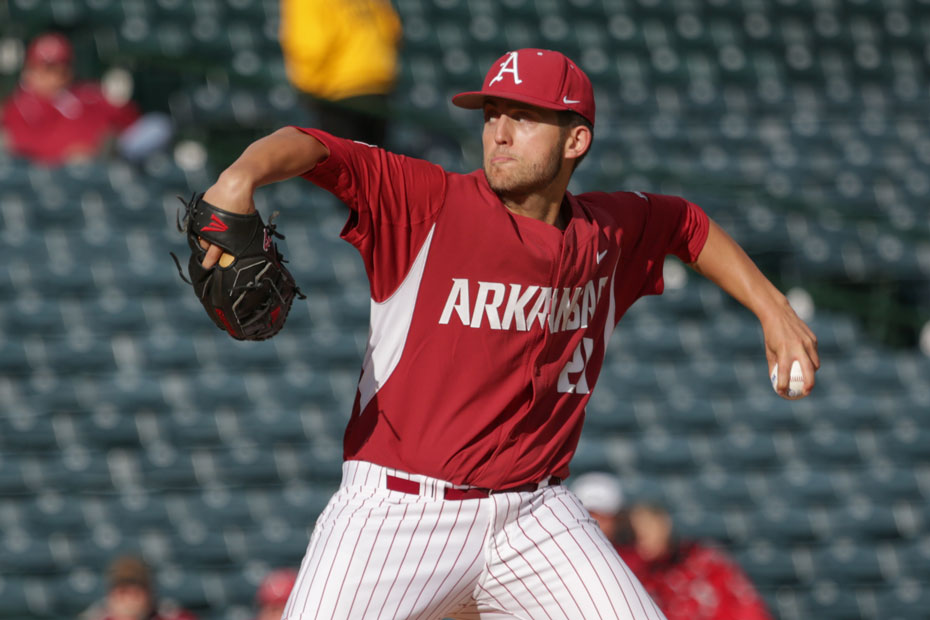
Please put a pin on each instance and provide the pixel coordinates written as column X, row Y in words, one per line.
column 381, row 554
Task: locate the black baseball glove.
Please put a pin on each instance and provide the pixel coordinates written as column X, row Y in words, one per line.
column 249, row 292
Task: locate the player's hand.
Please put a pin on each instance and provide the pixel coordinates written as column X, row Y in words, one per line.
column 788, row 338
column 230, row 193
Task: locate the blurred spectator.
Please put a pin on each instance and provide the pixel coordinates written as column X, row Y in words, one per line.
column 51, row 119
column 687, row 579
column 343, row 55
column 272, row 594
column 131, row 595
column 602, row 494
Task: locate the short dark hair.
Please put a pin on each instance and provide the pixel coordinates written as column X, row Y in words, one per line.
column 569, row 120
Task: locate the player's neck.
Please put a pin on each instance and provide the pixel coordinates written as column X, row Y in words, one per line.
column 545, row 206
column 548, row 213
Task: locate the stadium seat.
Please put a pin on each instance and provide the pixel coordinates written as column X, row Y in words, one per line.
column 27, row 556
column 664, row 453
column 848, row 562
column 23, row 597
column 902, row 600
column 829, row 598
column 784, row 525
column 765, row 564
column 865, row 521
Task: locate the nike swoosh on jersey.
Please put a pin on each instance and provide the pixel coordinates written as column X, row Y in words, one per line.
column 600, row 256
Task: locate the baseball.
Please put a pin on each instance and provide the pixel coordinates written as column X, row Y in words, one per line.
column 796, row 382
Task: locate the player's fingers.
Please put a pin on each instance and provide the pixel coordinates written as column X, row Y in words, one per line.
column 812, row 352
column 213, row 255
column 809, row 370
column 784, row 375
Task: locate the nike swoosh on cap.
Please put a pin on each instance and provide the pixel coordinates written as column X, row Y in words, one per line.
column 568, row 101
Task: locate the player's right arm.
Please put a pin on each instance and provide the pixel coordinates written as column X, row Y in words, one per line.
column 286, row 153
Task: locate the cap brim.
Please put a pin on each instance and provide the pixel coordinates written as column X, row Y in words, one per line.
column 474, row 100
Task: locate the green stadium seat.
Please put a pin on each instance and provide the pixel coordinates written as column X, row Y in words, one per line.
column 745, row 451
column 138, row 510
column 764, row 563
column 25, row 430
column 184, row 586
column 803, row 486
column 77, row 590
column 55, row 511
column 14, row 480
column 277, row 544
column 246, row 465
column 828, row 598
column 786, row 526
column 199, row 548
column 165, row 468
column 664, row 453
column 865, row 522
column 717, row 488
column 703, row 525
column 830, row 446
column 914, row 559
column 903, row 600
column 848, row 562
column 18, row 595
column 27, row 556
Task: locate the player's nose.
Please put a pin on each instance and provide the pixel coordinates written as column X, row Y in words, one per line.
column 503, row 129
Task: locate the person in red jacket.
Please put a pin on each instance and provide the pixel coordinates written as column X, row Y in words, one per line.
column 131, row 595
column 687, row 579
column 273, row 592
column 51, row 119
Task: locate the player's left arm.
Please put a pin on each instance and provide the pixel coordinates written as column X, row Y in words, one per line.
column 787, row 337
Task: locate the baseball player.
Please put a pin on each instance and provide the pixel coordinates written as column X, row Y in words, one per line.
column 493, row 297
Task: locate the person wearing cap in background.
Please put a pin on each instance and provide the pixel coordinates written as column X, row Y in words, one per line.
column 493, row 297
column 50, row 119
column 602, row 494
column 131, row 595
column 273, row 592
column 689, row 580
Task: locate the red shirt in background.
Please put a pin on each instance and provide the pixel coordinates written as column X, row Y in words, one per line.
column 694, row 582
column 76, row 122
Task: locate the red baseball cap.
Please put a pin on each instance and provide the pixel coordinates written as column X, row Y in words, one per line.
column 50, row 49
column 539, row 77
column 276, row 587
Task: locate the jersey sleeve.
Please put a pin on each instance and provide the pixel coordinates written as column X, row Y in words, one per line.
column 669, row 225
column 393, row 200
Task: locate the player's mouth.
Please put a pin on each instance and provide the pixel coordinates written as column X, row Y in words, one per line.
column 500, row 159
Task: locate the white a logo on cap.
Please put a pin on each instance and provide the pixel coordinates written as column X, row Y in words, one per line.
column 508, row 66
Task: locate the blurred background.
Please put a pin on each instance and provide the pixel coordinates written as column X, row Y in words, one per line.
column 129, row 423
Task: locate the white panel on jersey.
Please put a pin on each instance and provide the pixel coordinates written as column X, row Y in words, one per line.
column 390, row 324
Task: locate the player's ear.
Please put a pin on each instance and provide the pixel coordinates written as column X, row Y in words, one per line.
column 577, row 142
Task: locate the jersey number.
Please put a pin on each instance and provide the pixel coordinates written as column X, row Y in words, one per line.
column 577, row 365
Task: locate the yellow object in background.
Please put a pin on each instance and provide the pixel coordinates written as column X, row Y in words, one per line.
column 335, row 49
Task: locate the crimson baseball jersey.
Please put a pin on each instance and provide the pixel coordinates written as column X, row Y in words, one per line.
column 488, row 328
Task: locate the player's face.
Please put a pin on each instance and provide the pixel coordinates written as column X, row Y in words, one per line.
column 522, row 147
